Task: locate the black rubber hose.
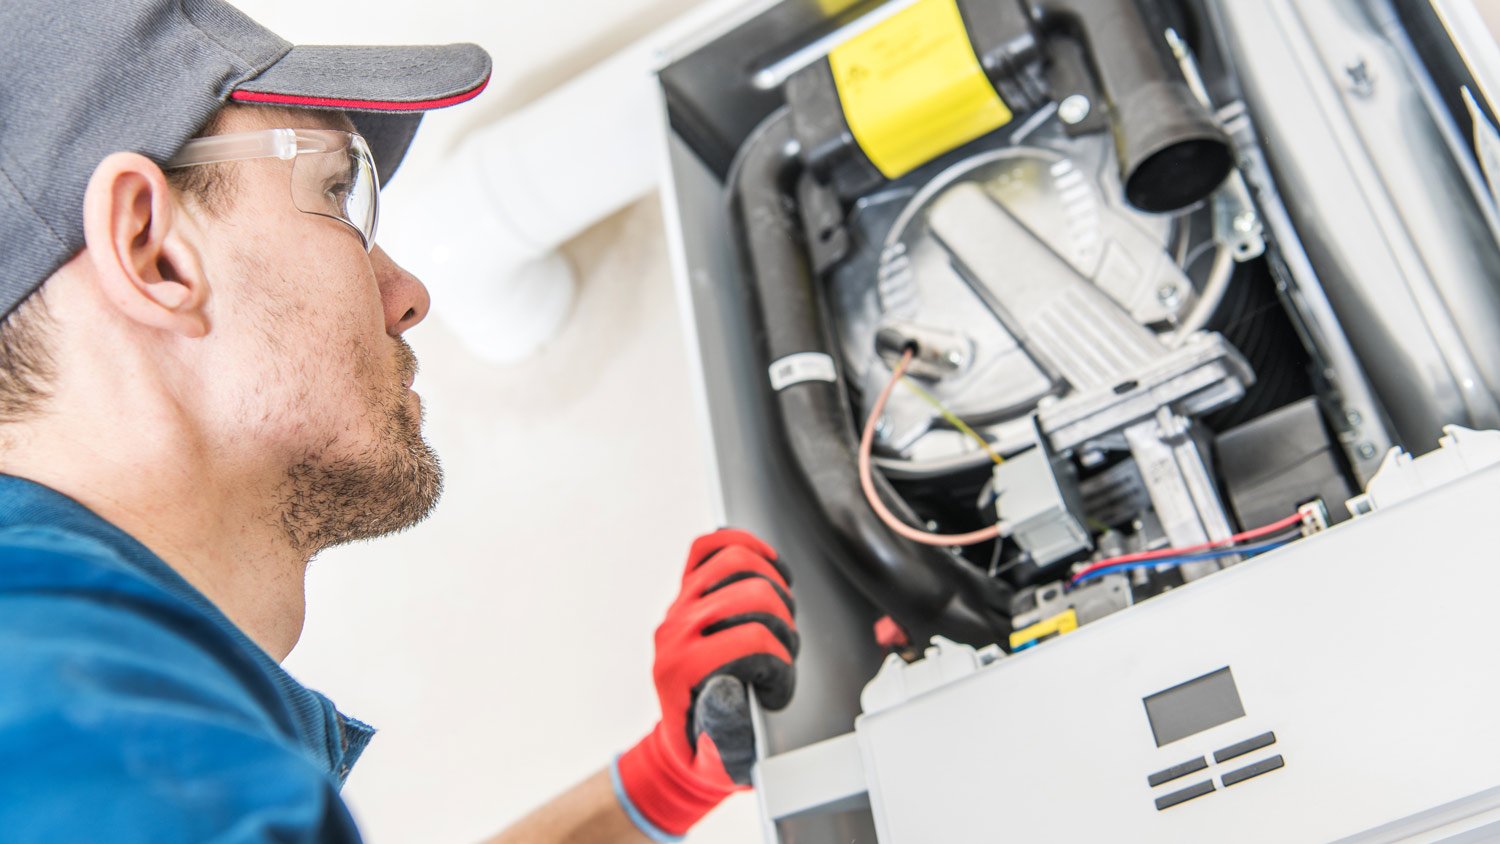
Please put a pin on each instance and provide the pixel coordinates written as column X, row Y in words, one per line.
column 1171, row 151
column 926, row 589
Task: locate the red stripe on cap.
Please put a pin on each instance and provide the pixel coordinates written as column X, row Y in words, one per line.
column 372, row 105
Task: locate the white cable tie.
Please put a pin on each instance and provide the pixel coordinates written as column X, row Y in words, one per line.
column 801, row 367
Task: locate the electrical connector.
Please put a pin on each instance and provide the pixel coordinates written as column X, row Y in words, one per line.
column 1314, row 517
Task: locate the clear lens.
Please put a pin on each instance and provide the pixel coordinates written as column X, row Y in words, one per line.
column 338, row 181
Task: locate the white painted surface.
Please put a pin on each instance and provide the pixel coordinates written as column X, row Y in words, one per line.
column 1384, row 715
column 504, row 646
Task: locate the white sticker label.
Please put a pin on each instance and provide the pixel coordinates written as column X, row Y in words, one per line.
column 803, row 366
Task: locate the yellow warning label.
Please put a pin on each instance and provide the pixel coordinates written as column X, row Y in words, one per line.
column 912, row 88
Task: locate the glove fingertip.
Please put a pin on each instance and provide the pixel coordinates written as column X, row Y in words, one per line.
column 782, row 569
column 773, row 678
column 777, row 694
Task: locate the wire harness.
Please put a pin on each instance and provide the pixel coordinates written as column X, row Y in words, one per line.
column 867, row 480
column 1192, row 553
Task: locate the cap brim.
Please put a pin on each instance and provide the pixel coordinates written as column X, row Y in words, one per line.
column 382, row 79
column 385, row 90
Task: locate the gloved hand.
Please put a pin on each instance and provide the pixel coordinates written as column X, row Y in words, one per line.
column 731, row 627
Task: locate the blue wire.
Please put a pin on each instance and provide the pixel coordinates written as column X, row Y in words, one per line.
column 1247, row 551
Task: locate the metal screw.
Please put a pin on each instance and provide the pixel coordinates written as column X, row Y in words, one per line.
column 1168, row 295
column 954, row 358
column 1353, row 418
column 1073, row 109
column 1244, row 221
column 1366, row 451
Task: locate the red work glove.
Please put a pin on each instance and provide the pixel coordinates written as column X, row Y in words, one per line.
column 731, row 627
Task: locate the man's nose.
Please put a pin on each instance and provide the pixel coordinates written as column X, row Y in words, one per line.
column 403, row 295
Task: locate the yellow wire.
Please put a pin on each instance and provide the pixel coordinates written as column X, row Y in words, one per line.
column 953, row 419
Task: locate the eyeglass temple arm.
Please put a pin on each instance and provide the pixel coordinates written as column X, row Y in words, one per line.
column 241, row 146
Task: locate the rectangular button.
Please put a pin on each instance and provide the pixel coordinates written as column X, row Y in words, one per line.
column 1176, row 771
column 1233, row 750
column 1167, row 801
column 1261, row 767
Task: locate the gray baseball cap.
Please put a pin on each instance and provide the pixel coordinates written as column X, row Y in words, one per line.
column 84, row 78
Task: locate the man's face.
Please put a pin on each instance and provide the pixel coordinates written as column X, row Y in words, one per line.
column 310, row 377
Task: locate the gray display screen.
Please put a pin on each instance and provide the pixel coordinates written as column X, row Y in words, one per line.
column 1194, row 706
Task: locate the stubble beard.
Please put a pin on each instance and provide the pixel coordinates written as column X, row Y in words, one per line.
column 386, row 488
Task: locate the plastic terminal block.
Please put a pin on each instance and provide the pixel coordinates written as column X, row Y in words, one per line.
column 1063, row 622
column 1460, row 452
column 1089, row 602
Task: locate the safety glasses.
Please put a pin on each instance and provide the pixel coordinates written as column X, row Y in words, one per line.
column 333, row 172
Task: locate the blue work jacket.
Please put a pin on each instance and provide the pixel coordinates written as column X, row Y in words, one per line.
column 133, row 710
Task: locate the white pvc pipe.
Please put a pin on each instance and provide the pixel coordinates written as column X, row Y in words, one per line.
column 483, row 233
column 578, row 154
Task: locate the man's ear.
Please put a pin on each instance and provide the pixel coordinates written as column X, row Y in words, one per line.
column 143, row 263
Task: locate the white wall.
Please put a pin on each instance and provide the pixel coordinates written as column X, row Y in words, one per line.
column 504, row 646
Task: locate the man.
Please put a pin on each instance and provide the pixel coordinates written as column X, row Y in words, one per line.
column 203, row 384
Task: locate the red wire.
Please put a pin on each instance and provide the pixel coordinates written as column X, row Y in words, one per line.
column 1273, row 527
column 867, row 480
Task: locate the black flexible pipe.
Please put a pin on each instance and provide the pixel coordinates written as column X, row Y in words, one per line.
column 1171, row 151
column 924, row 588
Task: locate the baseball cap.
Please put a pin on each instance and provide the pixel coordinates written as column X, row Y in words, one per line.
column 85, row 78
